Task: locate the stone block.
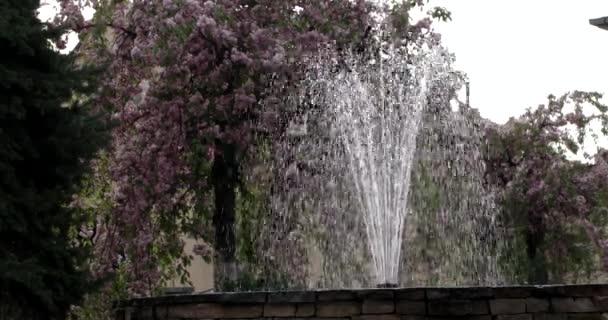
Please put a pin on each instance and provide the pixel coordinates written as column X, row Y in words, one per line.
column 514, row 317
column 242, row 311
column 486, row 317
column 411, row 307
column 378, row 306
column 545, row 291
column 338, row 309
column 457, row 307
column 576, row 291
column 215, row 310
column 512, row 292
column 148, row 313
column 279, row 310
column 230, row 297
column 437, row 293
column 583, row 290
column 293, row 296
column 189, row 311
column 508, row 306
column 471, row 293
column 376, row 317
column 314, row 318
column 305, row 310
column 410, row 294
column 585, row 316
column 601, row 302
column 537, row 305
column 335, row 295
column 479, row 307
column 120, row 314
column 550, row 316
column 375, row 294
column 573, row 305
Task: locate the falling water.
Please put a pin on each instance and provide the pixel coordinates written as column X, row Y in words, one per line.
column 377, row 180
column 377, row 109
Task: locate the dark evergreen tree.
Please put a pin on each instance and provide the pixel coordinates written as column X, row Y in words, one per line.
column 46, row 137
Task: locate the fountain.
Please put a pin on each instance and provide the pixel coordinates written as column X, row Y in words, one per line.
column 374, row 161
column 344, row 170
column 376, row 108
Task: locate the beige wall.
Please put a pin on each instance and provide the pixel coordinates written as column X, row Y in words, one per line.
column 201, row 272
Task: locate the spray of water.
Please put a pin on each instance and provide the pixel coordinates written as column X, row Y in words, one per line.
column 377, row 110
column 377, row 180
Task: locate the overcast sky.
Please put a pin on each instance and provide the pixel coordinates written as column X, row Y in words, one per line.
column 517, row 52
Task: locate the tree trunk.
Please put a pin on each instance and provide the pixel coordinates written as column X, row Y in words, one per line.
column 535, row 237
column 225, row 177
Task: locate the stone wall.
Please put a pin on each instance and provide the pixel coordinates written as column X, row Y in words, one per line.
column 584, row 302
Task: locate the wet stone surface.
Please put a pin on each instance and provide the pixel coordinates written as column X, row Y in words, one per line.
column 502, row 303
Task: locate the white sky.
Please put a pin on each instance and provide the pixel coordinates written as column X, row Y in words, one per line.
column 517, row 52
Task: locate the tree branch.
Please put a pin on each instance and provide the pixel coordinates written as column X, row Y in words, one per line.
column 108, row 24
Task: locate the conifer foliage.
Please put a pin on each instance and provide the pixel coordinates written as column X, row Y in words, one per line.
column 45, row 139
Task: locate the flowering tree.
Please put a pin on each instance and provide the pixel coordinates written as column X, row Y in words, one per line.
column 544, row 191
column 186, row 80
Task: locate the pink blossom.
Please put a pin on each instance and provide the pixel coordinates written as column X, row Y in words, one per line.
column 537, row 186
column 239, row 57
column 191, row 89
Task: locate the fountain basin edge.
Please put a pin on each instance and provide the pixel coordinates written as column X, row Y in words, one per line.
column 480, row 303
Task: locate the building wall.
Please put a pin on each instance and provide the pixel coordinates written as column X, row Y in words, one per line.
column 201, row 272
